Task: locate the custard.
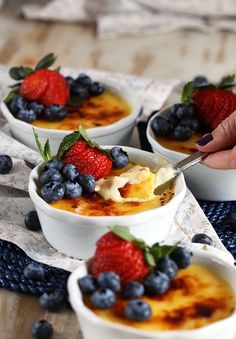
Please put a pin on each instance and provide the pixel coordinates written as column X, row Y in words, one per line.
column 96, row 111
column 197, row 297
column 96, row 205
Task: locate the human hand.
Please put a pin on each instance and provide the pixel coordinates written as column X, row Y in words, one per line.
column 221, row 143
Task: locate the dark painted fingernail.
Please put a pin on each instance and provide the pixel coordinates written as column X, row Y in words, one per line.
column 205, row 140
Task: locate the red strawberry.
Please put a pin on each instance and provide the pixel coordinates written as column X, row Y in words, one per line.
column 120, row 256
column 87, row 159
column 213, row 105
column 46, row 86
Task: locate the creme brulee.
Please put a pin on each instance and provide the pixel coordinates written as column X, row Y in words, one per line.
column 96, row 205
column 96, row 111
column 197, row 297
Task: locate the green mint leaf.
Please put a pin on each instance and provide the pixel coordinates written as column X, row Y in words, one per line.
column 10, row 96
column 47, row 151
column 186, row 97
column 149, row 259
column 19, row 73
column 46, row 61
column 67, row 142
column 159, row 251
column 122, row 232
column 38, row 143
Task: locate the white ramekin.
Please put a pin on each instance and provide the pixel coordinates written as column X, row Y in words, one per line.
column 204, row 182
column 93, row 326
column 117, row 133
column 75, row 235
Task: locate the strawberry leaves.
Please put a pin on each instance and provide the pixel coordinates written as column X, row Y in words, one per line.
column 19, row 73
column 151, row 253
column 186, row 97
column 71, row 138
column 227, row 82
column 46, row 61
column 46, row 151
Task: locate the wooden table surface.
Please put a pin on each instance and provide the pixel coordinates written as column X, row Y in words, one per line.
column 178, row 54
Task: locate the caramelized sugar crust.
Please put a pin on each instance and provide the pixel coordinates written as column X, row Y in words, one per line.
column 94, row 205
column 197, row 297
column 96, row 111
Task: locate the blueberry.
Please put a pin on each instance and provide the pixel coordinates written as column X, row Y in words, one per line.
column 87, row 284
column 192, row 123
column 103, row 298
column 87, row 182
column 109, row 280
column 52, row 302
column 69, row 172
column 72, row 189
column 70, row 81
column 119, row 157
column 32, row 221
column 42, row 329
column 132, row 290
column 53, row 191
column 27, row 115
column 50, row 175
column 167, row 266
column 138, row 310
column 182, row 133
column 55, row 112
column 37, row 107
column 181, row 256
column 55, row 164
column 202, row 239
column 161, row 126
column 34, row 272
column 6, row 164
column 84, row 80
column 96, row 89
column 156, row 283
column 200, row 80
column 18, row 103
column 184, row 111
column 80, row 91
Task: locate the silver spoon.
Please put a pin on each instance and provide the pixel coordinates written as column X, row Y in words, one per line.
column 181, row 166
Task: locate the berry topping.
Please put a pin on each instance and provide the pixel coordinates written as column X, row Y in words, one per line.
column 103, row 299
column 72, row 189
column 53, row 191
column 52, row 302
column 69, row 172
column 55, row 112
column 192, row 123
column 37, row 107
column 80, row 91
column 70, row 81
column 138, row 310
column 132, row 290
column 156, row 283
column 182, row 111
column 87, row 284
column 34, row 272
column 42, row 329
column 53, row 164
column 50, row 175
column 182, row 132
column 84, row 80
column 161, row 126
column 200, row 80
column 109, row 280
column 119, row 157
column 202, row 239
column 181, row 256
column 87, row 182
column 18, row 103
column 6, row 164
column 167, row 266
column 96, row 89
column 32, row 221
column 27, row 115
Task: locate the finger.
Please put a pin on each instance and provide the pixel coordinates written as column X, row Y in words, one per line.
column 223, row 137
column 221, row 160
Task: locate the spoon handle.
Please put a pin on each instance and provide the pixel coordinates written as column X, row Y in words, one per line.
column 190, row 161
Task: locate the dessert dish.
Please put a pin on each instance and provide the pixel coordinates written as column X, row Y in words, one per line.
column 156, row 292
column 95, row 186
column 174, row 130
column 55, row 104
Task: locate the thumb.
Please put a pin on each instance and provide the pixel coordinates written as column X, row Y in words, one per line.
column 223, row 137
